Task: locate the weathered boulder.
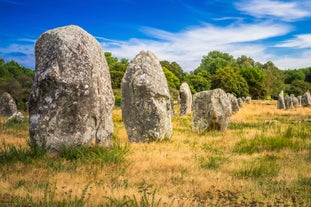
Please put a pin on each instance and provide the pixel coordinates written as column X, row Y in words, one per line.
column 146, row 105
column 185, row 99
column 211, row 110
column 16, row 117
column 281, row 102
column 234, row 103
column 248, row 99
column 71, row 100
column 240, row 102
column 295, row 100
column 288, row 102
column 7, row 105
column 306, row 99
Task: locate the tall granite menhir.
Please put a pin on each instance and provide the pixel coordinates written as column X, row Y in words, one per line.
column 71, row 99
column 146, row 105
column 185, row 99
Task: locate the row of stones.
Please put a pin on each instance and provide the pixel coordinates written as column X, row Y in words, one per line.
column 291, row 101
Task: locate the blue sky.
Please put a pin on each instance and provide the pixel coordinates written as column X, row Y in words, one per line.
column 175, row 30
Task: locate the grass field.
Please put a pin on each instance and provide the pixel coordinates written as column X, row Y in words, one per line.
column 262, row 159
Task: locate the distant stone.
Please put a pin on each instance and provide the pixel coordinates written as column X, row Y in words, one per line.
column 295, row 100
column 299, row 100
column 281, row 101
column 234, row 103
column 172, row 107
column 146, row 104
column 306, row 99
column 185, row 99
column 248, row 99
column 240, row 102
column 211, row 110
column 16, row 117
column 71, row 100
column 288, row 102
column 7, row 105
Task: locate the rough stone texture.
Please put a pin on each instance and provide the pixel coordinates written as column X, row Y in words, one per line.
column 240, row 102
column 281, row 102
column 146, row 107
column 71, row 100
column 185, row 99
column 211, row 110
column 7, row 105
column 234, row 103
column 288, row 102
column 306, row 99
column 172, row 107
column 17, row 116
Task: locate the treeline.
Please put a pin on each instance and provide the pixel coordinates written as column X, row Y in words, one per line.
column 17, row 81
column 242, row 77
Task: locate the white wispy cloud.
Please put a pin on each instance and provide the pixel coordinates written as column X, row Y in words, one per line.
column 302, row 60
column 188, row 46
column 284, row 10
column 299, row 41
column 22, row 53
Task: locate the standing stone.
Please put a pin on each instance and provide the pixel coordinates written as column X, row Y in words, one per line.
column 240, row 102
column 288, row 102
column 234, row 103
column 281, row 102
column 248, row 99
column 211, row 110
column 7, row 105
column 306, row 99
column 299, row 100
column 294, row 100
column 146, row 107
column 185, row 99
column 71, row 100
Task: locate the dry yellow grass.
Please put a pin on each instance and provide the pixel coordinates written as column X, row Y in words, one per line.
column 181, row 170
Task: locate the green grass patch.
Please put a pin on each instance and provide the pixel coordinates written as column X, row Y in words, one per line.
column 260, row 168
column 10, row 153
column 302, row 131
column 243, row 125
column 212, row 162
column 97, row 154
column 261, row 143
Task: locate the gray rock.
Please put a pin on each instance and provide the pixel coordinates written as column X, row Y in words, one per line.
column 248, row 99
column 17, row 117
column 185, row 99
column 240, row 102
column 71, row 100
column 288, row 102
column 211, row 110
column 7, row 105
column 299, row 100
column 234, row 103
column 281, row 102
column 295, row 100
column 146, row 107
column 306, row 99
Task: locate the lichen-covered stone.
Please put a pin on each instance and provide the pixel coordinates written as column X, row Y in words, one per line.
column 71, row 100
column 240, row 102
column 248, row 99
column 16, row 117
column 211, row 110
column 306, row 99
column 235, row 107
column 281, row 102
column 7, row 105
column 185, row 99
column 146, row 105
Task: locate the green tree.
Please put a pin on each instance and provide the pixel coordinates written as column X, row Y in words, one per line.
column 255, row 78
column 171, row 78
column 214, row 61
column 117, row 69
column 298, row 87
column 230, row 81
column 174, row 68
column 198, row 83
column 292, row 75
column 274, row 79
